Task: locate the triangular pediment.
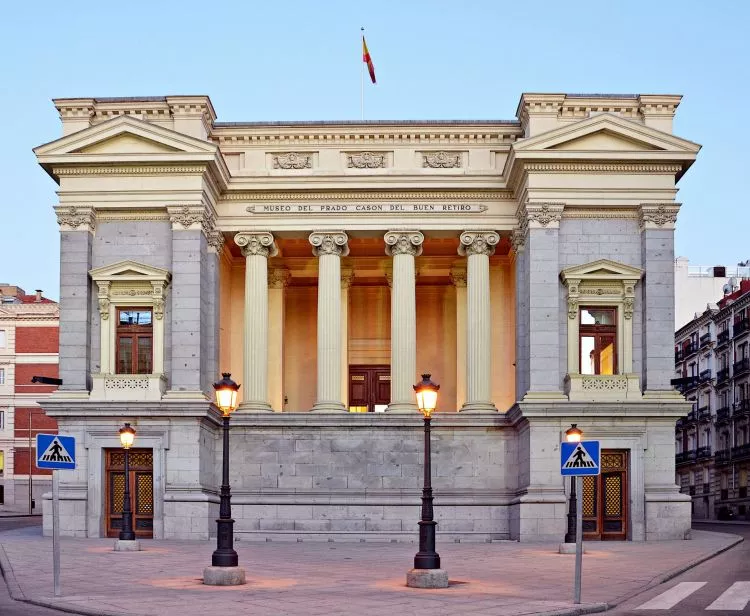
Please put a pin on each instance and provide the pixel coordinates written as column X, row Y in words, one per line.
column 125, row 135
column 603, row 269
column 129, row 271
column 606, row 133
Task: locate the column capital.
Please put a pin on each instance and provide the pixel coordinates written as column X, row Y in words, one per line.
column 478, row 243
column 76, row 218
column 191, row 217
column 540, row 215
column 278, row 277
column 329, row 243
column 216, row 240
column 458, row 276
column 256, row 243
column 403, row 243
column 658, row 215
column 518, row 241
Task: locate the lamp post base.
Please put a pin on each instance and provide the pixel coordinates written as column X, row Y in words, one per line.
column 127, row 545
column 427, row 578
column 224, row 576
column 569, row 548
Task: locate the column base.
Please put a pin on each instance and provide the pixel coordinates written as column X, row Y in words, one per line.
column 224, row 576
column 402, row 407
column 122, row 545
column 329, row 407
column 254, row 407
column 427, row 578
column 478, row 407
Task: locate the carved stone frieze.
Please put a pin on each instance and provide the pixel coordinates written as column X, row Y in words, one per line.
column 478, row 243
column 403, row 243
column 658, row 215
column 261, row 243
column 76, row 218
column 442, row 160
column 366, row 160
column 292, row 160
column 329, row 243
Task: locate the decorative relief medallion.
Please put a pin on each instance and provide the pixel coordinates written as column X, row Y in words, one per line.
column 403, row 243
column 478, row 243
column 329, row 243
column 658, row 216
column 366, row 160
column 442, row 160
column 72, row 218
column 260, row 244
column 292, row 160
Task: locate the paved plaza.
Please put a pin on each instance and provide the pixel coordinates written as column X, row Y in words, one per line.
column 496, row 579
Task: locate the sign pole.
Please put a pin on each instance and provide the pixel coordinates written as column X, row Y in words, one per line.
column 579, row 540
column 56, row 531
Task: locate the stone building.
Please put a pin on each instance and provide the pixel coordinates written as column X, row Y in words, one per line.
column 527, row 264
column 28, row 348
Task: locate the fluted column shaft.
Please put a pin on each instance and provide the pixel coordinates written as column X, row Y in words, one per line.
column 329, row 247
column 256, row 248
column 403, row 246
column 478, row 246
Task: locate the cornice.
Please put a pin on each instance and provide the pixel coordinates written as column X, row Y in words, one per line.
column 128, row 170
column 603, row 167
column 590, row 213
column 137, row 215
column 370, row 195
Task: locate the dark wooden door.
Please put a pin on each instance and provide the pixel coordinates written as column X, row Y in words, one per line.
column 605, row 499
column 141, row 463
column 369, row 388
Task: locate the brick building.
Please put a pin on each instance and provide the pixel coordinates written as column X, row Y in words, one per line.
column 528, row 264
column 29, row 340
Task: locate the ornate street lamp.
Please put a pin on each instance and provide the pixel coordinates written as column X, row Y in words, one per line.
column 572, row 435
column 227, row 401
column 427, row 572
column 127, row 436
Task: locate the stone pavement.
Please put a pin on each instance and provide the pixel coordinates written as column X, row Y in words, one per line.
column 493, row 579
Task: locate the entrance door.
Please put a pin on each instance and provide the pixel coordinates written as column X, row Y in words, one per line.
column 605, row 499
column 369, row 388
column 141, row 463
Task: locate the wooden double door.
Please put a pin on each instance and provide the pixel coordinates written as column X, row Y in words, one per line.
column 141, row 485
column 369, row 388
column 605, row 498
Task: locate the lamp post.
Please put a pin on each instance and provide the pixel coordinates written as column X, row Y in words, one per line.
column 224, row 570
column 572, row 435
column 427, row 572
column 127, row 436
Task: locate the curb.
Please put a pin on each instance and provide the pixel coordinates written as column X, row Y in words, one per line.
column 669, row 575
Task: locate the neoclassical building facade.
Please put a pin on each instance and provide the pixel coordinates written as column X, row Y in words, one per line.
column 526, row 264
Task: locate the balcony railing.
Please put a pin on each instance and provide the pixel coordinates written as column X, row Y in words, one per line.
column 722, row 337
column 741, row 366
column 705, row 375
column 742, row 407
column 722, row 456
column 677, row 356
column 704, row 339
column 740, row 326
column 689, row 349
column 722, row 376
column 689, row 383
column 703, row 452
column 723, row 414
column 740, row 452
column 706, row 488
column 704, row 413
column 685, row 457
column 691, row 417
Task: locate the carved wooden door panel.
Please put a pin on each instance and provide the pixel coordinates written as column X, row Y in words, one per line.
column 141, row 462
column 605, row 499
column 369, row 388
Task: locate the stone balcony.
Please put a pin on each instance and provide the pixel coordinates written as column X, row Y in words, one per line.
column 128, row 387
column 602, row 387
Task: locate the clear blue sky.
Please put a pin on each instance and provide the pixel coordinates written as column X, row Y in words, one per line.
column 294, row 60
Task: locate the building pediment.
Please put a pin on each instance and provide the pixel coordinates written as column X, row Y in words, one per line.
column 129, row 271
column 603, row 269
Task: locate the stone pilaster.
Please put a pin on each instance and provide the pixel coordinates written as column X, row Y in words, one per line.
column 458, row 278
column 256, row 248
column 657, row 224
column 278, row 280
column 403, row 246
column 77, row 226
column 329, row 247
column 215, row 248
column 478, row 246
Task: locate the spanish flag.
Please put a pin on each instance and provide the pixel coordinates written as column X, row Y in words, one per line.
column 368, row 60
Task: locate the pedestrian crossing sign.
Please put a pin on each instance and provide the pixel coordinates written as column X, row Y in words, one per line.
column 577, row 459
column 55, row 451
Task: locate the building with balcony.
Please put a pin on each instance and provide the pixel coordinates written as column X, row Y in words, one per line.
column 28, row 347
column 325, row 265
column 712, row 370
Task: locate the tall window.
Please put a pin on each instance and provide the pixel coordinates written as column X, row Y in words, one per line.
column 2, row 339
column 135, row 338
column 2, row 376
column 598, row 340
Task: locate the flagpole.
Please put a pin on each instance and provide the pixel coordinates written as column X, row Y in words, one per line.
column 362, row 84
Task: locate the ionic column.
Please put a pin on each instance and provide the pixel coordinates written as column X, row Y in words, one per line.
column 278, row 279
column 256, row 248
column 329, row 247
column 403, row 246
column 458, row 278
column 347, row 275
column 478, row 246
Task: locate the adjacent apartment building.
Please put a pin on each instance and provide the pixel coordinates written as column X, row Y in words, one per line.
column 528, row 264
column 29, row 328
column 712, row 360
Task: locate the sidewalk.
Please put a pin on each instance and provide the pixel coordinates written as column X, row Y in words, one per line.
column 308, row 579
